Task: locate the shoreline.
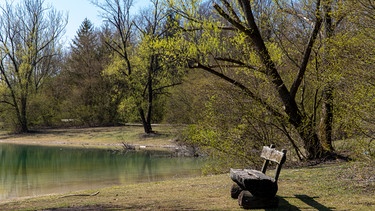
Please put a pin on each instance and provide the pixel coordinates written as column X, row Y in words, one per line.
column 112, row 138
column 113, row 146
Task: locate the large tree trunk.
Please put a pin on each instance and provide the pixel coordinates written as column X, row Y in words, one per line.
column 312, row 143
column 22, row 116
column 326, row 120
column 146, row 124
column 146, row 119
column 150, row 94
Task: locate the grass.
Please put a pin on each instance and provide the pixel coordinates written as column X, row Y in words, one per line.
column 329, row 186
column 325, row 187
column 98, row 137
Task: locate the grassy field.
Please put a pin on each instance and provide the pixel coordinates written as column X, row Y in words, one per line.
column 329, row 186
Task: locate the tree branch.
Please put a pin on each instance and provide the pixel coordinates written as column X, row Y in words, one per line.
column 252, row 31
column 166, row 86
column 234, row 61
column 239, row 85
column 231, row 10
column 297, row 82
column 235, row 23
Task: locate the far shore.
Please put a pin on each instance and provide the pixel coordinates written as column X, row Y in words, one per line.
column 97, row 137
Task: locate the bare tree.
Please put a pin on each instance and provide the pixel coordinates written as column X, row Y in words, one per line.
column 117, row 14
column 29, row 34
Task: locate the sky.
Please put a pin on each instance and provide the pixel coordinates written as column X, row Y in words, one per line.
column 78, row 10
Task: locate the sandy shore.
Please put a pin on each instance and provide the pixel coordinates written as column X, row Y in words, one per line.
column 101, row 137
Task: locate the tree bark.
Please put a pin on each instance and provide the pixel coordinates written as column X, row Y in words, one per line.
column 23, row 121
column 152, row 69
column 146, row 124
column 326, row 120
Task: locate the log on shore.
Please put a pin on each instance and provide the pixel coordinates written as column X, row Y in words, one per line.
column 256, row 182
column 247, row 201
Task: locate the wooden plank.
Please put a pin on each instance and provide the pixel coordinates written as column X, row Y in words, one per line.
column 273, row 155
column 244, row 176
column 254, row 181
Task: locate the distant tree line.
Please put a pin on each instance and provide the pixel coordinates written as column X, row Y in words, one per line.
column 241, row 74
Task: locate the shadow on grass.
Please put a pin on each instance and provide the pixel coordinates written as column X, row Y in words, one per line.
column 308, row 200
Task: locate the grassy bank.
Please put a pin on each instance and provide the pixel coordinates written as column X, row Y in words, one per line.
column 330, row 186
column 98, row 137
column 325, row 187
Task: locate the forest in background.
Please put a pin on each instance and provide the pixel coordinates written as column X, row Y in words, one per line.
column 240, row 74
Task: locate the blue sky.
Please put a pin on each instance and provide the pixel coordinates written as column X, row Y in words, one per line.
column 78, row 10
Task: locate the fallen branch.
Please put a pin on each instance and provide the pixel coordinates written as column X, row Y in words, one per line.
column 128, row 147
column 93, row 194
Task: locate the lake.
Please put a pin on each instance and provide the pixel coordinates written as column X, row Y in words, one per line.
column 38, row 170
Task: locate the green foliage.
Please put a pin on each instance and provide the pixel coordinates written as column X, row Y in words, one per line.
column 223, row 123
column 356, row 96
column 45, row 111
column 186, row 101
column 128, row 110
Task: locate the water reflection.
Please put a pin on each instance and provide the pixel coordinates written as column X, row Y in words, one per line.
column 35, row 170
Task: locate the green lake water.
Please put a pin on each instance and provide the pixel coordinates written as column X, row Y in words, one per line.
column 35, row 170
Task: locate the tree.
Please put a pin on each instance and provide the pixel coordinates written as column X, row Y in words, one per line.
column 29, row 34
column 157, row 67
column 84, row 69
column 117, row 14
column 120, row 41
column 146, row 62
column 260, row 60
column 90, row 98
